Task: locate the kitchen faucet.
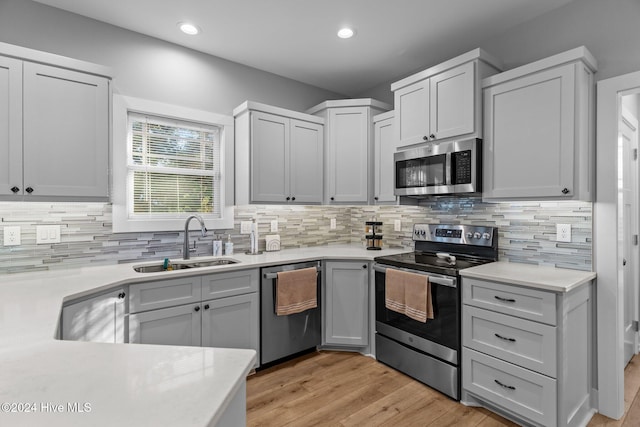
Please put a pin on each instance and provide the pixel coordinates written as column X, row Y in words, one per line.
column 185, row 250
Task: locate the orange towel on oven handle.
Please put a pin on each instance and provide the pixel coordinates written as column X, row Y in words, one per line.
column 394, row 290
column 296, row 291
column 409, row 294
column 417, row 293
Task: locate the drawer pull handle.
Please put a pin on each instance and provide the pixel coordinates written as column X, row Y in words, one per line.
column 510, row 387
column 505, row 338
column 504, row 299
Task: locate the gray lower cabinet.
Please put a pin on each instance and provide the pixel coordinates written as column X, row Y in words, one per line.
column 231, row 322
column 213, row 310
column 100, row 318
column 527, row 352
column 180, row 325
column 346, row 303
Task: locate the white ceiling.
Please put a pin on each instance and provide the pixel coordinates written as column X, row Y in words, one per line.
column 297, row 38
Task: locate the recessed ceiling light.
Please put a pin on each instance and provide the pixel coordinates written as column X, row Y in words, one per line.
column 346, row 33
column 188, row 28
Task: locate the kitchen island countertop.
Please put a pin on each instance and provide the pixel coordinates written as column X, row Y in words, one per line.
column 533, row 276
column 45, row 381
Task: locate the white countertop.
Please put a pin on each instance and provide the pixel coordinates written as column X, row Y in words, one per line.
column 533, row 276
column 124, row 384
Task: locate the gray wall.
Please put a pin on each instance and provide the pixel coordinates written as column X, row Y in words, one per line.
column 608, row 28
column 149, row 68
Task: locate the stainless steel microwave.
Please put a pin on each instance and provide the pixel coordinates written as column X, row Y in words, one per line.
column 452, row 167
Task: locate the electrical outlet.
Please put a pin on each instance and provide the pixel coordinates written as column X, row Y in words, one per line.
column 333, row 224
column 563, row 232
column 12, row 236
column 274, row 226
column 47, row 234
column 397, row 225
column 245, row 227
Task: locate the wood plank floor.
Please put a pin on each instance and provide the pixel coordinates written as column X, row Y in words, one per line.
column 347, row 389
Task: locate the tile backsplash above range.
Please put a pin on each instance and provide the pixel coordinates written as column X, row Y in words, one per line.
column 527, row 231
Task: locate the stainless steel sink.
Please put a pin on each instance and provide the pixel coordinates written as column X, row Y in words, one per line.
column 155, row 268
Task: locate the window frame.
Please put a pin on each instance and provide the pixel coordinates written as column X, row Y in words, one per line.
column 122, row 223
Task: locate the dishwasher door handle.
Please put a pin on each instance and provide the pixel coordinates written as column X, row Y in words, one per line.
column 271, row 276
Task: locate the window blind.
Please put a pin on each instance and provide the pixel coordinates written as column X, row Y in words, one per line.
column 173, row 167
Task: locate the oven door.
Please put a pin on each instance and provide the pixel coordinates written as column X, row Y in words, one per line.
column 440, row 336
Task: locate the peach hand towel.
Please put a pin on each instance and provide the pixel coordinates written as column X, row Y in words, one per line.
column 296, row 291
column 394, row 290
column 417, row 293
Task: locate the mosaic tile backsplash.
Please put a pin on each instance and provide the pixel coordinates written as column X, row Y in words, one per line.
column 526, row 231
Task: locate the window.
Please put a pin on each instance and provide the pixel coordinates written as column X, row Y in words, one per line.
column 170, row 162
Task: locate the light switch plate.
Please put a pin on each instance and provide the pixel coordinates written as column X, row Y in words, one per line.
column 245, row 227
column 332, row 225
column 397, row 225
column 563, row 232
column 274, row 226
column 47, row 234
column 12, row 235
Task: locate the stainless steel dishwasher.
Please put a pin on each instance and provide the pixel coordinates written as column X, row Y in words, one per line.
column 282, row 336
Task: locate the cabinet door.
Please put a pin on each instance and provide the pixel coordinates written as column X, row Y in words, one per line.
column 164, row 293
column 452, row 102
column 385, row 147
column 307, row 141
column 10, row 126
column 179, row 325
column 231, row 322
column 412, row 113
column 97, row 319
column 348, row 154
column 347, row 303
column 529, row 136
column 269, row 158
column 66, row 133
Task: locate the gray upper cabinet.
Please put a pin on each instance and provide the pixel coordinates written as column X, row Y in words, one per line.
column 539, row 130
column 444, row 101
column 54, row 127
column 385, row 146
column 349, row 148
column 279, row 155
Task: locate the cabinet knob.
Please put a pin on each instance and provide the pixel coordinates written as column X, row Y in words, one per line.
column 432, row 136
column 14, row 189
column 197, row 308
column 333, row 198
column 425, row 138
column 288, row 198
column 293, row 198
column 375, row 198
column 121, row 295
column 565, row 191
column 364, row 266
column 206, row 306
column 29, row 190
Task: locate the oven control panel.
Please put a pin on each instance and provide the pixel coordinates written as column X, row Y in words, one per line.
column 454, row 233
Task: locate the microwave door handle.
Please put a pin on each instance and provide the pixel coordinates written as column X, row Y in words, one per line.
column 447, row 170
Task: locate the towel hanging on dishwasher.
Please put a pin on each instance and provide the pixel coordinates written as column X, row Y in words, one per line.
column 296, row 291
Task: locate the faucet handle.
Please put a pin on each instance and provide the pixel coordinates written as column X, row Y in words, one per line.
column 193, row 249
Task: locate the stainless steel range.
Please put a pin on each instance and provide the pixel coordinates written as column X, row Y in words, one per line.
column 430, row 351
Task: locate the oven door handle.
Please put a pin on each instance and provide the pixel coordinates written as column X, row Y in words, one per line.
column 436, row 280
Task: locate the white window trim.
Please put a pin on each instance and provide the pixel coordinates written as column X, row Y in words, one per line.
column 122, row 105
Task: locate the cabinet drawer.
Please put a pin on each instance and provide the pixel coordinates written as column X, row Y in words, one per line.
column 228, row 284
column 164, row 293
column 523, row 342
column 521, row 391
column 532, row 304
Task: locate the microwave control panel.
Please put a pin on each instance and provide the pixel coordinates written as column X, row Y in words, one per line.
column 461, row 162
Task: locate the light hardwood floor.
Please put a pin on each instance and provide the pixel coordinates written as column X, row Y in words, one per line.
column 348, row 389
